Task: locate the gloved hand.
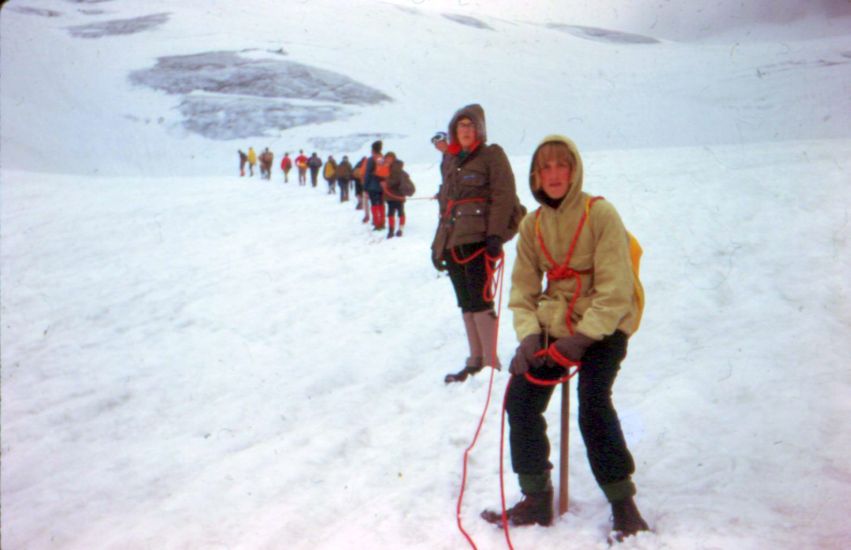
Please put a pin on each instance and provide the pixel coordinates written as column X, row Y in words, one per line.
column 439, row 263
column 573, row 347
column 493, row 246
column 524, row 357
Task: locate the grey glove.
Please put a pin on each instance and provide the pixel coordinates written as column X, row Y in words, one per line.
column 524, row 357
column 573, row 347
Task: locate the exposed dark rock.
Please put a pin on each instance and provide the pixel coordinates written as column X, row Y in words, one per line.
column 228, row 73
column 227, row 117
column 228, row 96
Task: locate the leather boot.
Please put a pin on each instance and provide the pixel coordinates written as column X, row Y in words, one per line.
column 535, row 508
column 474, row 365
column 626, row 520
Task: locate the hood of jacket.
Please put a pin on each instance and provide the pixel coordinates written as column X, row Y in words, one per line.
column 574, row 192
column 474, row 112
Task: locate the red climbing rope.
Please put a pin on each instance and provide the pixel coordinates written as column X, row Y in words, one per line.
column 556, row 273
column 494, row 286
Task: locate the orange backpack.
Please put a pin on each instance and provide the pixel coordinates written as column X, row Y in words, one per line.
column 382, row 169
column 359, row 169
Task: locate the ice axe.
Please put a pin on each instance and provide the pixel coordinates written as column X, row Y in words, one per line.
column 572, row 368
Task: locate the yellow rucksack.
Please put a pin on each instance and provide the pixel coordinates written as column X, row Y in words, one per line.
column 635, row 252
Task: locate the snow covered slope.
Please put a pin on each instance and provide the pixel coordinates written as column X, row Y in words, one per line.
column 198, row 360
column 215, row 362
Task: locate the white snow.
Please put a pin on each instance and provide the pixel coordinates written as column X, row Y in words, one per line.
column 196, row 360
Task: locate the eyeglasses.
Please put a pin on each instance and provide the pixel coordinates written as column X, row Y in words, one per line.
column 466, row 125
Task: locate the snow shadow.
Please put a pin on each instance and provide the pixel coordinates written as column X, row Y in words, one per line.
column 36, row 11
column 229, row 96
column 407, row 9
column 119, row 26
column 468, row 21
column 603, row 35
column 797, row 64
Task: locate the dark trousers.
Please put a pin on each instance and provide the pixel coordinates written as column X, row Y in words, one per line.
column 468, row 279
column 395, row 208
column 608, row 455
column 376, row 198
column 343, row 184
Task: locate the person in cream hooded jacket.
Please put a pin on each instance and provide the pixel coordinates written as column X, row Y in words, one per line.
column 604, row 315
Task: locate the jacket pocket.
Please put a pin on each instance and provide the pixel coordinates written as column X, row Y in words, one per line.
column 469, row 219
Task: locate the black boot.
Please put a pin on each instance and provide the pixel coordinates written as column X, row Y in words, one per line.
column 535, row 508
column 390, row 232
column 626, row 520
column 462, row 374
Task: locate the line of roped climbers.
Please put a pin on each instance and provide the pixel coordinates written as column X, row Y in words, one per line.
column 379, row 181
column 586, row 308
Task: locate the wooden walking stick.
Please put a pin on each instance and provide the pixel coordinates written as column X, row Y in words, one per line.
column 564, row 453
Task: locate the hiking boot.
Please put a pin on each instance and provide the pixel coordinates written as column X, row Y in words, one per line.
column 535, row 508
column 399, row 233
column 626, row 520
column 462, row 374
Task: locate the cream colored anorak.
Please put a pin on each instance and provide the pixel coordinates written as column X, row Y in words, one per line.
column 606, row 302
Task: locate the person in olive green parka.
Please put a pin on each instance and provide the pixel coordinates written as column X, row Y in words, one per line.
column 479, row 211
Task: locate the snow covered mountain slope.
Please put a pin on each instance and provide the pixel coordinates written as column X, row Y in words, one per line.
column 165, row 88
column 190, row 359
